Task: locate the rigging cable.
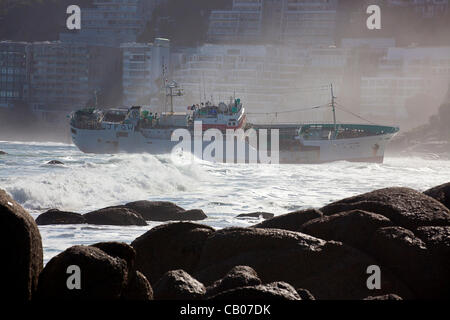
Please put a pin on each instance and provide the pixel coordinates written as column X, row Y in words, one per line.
column 340, row 107
column 291, row 111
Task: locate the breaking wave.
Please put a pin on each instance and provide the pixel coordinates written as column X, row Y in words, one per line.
column 108, row 180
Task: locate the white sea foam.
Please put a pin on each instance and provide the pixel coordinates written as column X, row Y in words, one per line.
column 84, row 185
column 87, row 182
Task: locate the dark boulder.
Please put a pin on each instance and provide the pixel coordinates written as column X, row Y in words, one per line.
column 400, row 251
column 290, row 221
column 115, row 216
column 54, row 216
column 170, row 247
column 21, row 248
column 192, row 215
column 55, row 162
column 266, row 292
column 164, row 211
column 354, row 228
column 258, row 215
column 440, row 193
column 102, row 277
column 403, row 206
column 138, row 288
column 2, row 153
column 330, row 270
column 385, row 297
column 119, row 250
column 437, row 240
column 178, row 285
column 239, row 276
column 305, row 294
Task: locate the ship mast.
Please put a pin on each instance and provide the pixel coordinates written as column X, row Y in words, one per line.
column 178, row 93
column 333, row 106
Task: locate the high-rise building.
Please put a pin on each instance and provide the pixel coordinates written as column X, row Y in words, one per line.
column 112, row 22
column 269, row 79
column 67, row 76
column 14, row 73
column 426, row 8
column 306, row 22
column 59, row 78
column 143, row 65
column 404, row 73
column 309, row 23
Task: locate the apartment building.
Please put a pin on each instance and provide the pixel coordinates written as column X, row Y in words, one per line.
column 402, row 74
column 14, row 73
column 67, row 76
column 112, row 22
column 306, row 23
column 269, row 79
column 143, row 65
column 426, row 8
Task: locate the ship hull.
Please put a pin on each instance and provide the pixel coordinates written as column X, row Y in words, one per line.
column 363, row 149
column 127, row 140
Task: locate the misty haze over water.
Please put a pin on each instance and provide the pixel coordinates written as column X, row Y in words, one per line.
column 279, row 57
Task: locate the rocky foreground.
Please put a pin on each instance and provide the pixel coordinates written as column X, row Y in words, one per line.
column 304, row 255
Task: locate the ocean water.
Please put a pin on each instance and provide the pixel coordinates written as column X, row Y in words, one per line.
column 88, row 182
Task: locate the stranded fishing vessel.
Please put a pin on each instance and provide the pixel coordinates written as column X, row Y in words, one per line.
column 134, row 130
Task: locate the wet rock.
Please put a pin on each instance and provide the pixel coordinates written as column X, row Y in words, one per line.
column 290, row 221
column 192, row 215
column 55, row 162
column 138, row 288
column 55, row 216
column 354, row 228
column 239, row 276
column 21, row 248
column 178, row 285
column 405, row 207
column 102, row 277
column 437, row 240
column 305, row 294
column 164, row 211
column 258, row 215
column 440, row 193
column 115, row 216
column 119, row 250
column 407, row 256
column 330, row 270
column 384, row 297
column 170, row 247
column 2, row 153
column 266, row 292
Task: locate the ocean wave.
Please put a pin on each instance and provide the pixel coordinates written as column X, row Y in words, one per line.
column 89, row 186
column 28, row 143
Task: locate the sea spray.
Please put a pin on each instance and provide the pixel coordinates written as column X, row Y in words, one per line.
column 113, row 180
